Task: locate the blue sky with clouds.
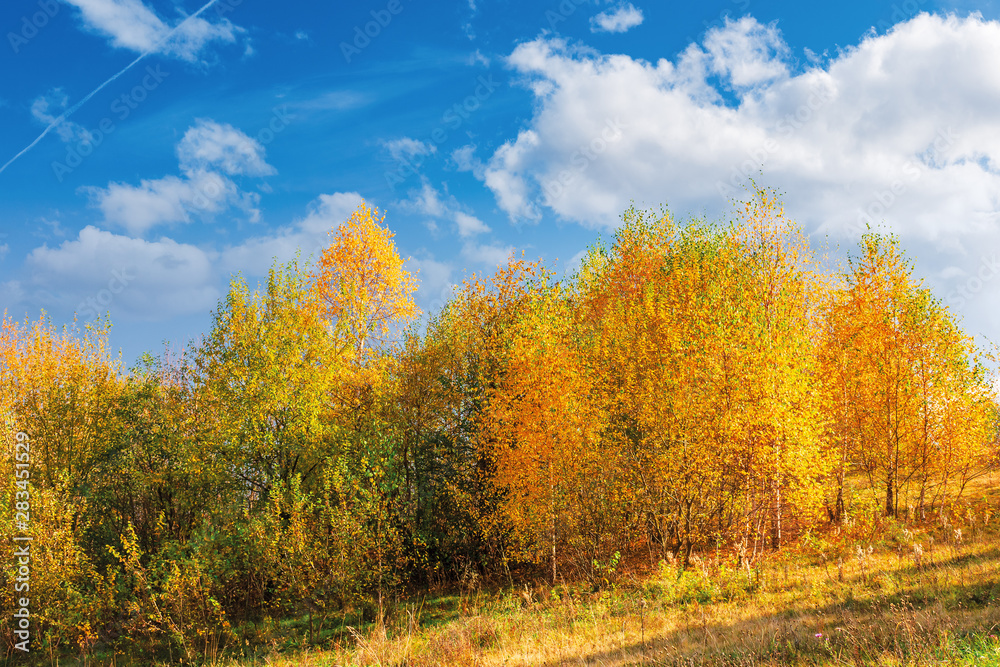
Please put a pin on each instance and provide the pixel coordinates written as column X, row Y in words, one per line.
column 150, row 149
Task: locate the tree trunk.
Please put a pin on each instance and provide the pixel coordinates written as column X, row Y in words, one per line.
column 890, row 505
column 839, row 511
column 776, row 515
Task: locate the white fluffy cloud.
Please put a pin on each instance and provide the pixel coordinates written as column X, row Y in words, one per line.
column 209, row 153
column 426, row 200
column 100, row 271
column 465, row 159
column 159, row 279
column 902, row 128
column 209, row 145
column 130, row 24
column 469, row 225
column 916, row 109
column 620, row 19
column 504, row 175
column 747, row 53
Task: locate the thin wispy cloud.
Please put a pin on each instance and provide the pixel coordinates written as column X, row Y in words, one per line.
column 68, row 131
column 76, row 107
column 428, row 201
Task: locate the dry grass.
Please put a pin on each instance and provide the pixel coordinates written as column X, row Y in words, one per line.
column 917, row 596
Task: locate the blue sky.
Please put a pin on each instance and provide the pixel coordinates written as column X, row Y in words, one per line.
column 228, row 134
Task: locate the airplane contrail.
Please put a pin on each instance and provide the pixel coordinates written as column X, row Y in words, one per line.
column 69, row 112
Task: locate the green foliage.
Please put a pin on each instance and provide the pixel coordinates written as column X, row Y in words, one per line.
column 672, row 585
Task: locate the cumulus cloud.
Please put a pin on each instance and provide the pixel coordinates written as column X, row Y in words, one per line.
column 130, row 24
column 426, row 201
column 620, row 19
column 209, row 144
column 504, row 175
column 208, row 155
column 100, row 271
column 901, row 128
column 746, row 52
column 159, row 279
column 915, row 105
column 167, row 200
column 469, row 225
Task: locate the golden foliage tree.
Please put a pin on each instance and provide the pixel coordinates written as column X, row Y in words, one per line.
column 362, row 285
column 910, row 399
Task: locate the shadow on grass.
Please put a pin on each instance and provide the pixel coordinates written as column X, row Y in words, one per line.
column 870, row 628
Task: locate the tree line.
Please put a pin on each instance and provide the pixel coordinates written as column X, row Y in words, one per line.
column 690, row 386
